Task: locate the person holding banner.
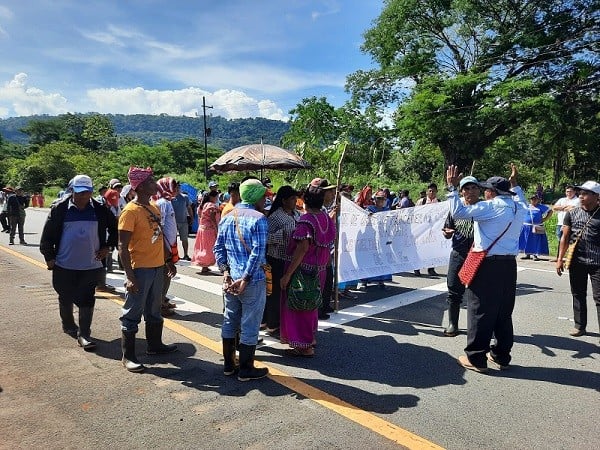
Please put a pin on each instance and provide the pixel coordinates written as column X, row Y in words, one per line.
column 491, row 294
column 461, row 233
column 379, row 206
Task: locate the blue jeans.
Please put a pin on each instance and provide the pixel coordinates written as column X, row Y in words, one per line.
column 559, row 231
column 145, row 302
column 244, row 312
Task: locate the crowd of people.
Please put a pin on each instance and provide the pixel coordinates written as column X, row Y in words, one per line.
column 275, row 251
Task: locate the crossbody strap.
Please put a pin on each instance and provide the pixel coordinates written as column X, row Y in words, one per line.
column 505, row 230
column 239, row 233
column 153, row 216
column 586, row 224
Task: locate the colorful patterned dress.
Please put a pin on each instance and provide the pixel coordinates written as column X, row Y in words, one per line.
column 298, row 328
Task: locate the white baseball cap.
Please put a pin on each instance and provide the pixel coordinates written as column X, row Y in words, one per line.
column 590, row 186
column 82, row 183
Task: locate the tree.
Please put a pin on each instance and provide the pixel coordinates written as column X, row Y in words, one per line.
column 42, row 132
column 461, row 74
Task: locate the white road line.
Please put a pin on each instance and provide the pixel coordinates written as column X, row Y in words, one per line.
column 336, row 320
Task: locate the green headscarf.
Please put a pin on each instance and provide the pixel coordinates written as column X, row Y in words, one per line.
column 251, row 191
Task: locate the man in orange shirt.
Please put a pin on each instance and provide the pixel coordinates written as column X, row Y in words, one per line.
column 143, row 254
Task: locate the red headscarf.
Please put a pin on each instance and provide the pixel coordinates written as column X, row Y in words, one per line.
column 364, row 197
column 137, row 176
column 167, row 188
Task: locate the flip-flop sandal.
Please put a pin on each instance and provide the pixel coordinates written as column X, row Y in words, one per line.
column 297, row 353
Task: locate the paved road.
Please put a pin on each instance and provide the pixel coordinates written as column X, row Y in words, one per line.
column 384, row 375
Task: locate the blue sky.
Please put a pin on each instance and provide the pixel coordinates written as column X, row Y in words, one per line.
column 249, row 58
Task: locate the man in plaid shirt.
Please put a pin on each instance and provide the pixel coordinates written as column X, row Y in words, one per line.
column 240, row 251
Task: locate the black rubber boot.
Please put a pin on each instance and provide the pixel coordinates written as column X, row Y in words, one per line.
column 85, row 323
column 129, row 360
column 229, row 367
column 453, row 313
column 247, row 370
column 154, row 339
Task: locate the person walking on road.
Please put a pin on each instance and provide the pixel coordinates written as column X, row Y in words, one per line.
column 562, row 205
column 582, row 224
column 15, row 210
column 491, row 295
column 240, row 251
column 143, row 255
column 461, row 233
column 77, row 235
column 183, row 217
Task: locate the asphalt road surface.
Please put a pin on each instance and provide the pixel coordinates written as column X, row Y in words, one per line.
column 384, row 376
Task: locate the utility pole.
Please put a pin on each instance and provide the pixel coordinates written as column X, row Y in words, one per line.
column 206, row 134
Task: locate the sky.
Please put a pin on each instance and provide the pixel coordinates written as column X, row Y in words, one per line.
column 248, row 58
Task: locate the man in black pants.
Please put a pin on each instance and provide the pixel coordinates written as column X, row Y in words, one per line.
column 74, row 242
column 583, row 222
column 461, row 233
column 491, row 295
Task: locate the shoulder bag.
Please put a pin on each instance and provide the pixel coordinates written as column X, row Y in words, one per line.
column 537, row 229
column 473, row 261
column 304, row 289
column 571, row 248
column 266, row 266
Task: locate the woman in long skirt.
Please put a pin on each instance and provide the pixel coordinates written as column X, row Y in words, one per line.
column 310, row 249
column 209, row 216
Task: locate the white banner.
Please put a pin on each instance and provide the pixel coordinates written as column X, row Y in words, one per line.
column 392, row 241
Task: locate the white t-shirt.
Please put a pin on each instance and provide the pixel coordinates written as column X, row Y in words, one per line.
column 565, row 201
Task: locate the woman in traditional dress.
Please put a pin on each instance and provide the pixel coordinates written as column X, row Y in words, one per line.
column 209, row 215
column 533, row 239
column 310, row 249
column 282, row 218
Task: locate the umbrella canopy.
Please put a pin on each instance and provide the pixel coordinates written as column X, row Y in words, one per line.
column 258, row 157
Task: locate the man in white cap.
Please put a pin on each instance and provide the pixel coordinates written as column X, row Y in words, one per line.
column 582, row 224
column 461, row 233
column 76, row 237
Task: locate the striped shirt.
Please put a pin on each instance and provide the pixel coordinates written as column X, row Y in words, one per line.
column 281, row 227
column 244, row 256
column 588, row 249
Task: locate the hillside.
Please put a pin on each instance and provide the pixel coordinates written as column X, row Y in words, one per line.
column 225, row 133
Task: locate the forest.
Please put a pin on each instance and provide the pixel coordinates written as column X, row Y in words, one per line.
column 477, row 83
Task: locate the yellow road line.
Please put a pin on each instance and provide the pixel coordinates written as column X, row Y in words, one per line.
column 359, row 416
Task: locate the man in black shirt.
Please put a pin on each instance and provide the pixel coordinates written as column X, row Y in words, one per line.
column 582, row 223
column 461, row 232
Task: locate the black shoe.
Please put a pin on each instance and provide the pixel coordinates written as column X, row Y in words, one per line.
column 432, row 272
column 417, row 273
column 323, row 316
column 186, row 258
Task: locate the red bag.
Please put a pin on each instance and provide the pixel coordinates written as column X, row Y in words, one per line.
column 469, row 269
column 174, row 253
column 473, row 261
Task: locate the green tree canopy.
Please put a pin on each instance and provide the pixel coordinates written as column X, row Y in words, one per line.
column 461, row 74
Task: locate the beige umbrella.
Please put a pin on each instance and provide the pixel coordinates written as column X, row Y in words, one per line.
column 257, row 157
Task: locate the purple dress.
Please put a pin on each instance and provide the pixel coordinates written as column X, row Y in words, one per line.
column 298, row 327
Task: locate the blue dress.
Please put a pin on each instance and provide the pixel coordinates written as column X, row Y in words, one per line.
column 531, row 243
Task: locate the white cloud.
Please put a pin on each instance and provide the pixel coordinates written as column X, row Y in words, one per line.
column 183, row 102
column 17, row 98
